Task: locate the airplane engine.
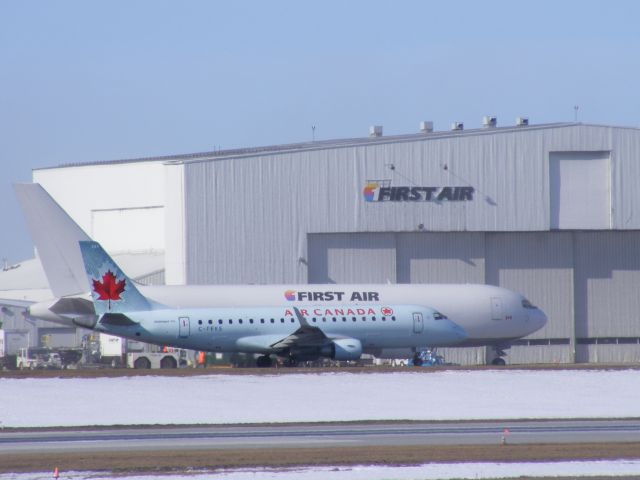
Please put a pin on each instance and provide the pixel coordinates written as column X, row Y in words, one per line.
column 346, row 349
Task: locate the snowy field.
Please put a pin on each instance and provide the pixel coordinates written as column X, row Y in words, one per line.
column 216, row 399
column 442, row 471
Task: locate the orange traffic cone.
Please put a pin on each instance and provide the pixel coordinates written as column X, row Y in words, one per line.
column 55, row 473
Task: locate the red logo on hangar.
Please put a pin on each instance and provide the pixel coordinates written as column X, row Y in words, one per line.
column 387, row 310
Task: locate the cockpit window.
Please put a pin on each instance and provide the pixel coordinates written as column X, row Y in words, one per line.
column 527, row 304
column 439, row 316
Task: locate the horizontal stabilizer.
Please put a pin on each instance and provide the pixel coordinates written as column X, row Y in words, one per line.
column 73, row 307
column 117, row 320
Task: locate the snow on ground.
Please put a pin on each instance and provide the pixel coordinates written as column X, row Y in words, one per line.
column 445, row 395
column 609, row 468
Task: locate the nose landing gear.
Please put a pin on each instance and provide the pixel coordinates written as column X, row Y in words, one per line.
column 499, row 352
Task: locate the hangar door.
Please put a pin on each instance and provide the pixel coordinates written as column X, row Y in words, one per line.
column 440, row 257
column 352, row 258
column 57, row 337
column 129, row 229
column 580, row 190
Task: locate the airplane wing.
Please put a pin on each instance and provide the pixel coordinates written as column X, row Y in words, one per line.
column 305, row 336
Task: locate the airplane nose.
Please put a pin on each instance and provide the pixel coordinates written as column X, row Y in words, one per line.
column 453, row 333
column 539, row 318
column 460, row 332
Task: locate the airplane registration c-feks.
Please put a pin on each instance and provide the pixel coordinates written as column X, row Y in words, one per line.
column 300, row 322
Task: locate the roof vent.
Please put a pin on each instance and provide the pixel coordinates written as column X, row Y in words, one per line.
column 457, row 126
column 522, row 121
column 489, row 121
column 426, row 127
column 375, row 131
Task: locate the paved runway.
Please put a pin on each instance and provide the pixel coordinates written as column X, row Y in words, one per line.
column 322, row 435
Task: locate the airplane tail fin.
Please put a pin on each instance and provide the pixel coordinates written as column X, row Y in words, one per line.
column 111, row 290
column 55, row 236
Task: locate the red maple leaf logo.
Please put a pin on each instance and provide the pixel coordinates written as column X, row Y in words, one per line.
column 387, row 311
column 109, row 288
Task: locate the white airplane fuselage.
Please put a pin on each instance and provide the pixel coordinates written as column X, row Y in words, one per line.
column 260, row 329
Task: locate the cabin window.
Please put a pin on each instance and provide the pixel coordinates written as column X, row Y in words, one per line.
column 230, row 321
column 210, row 322
column 273, row 321
column 292, row 320
column 199, row 322
column 240, row 321
column 282, row 320
column 262, row 320
column 384, row 319
column 393, row 318
column 364, row 319
column 251, row 320
column 314, row 319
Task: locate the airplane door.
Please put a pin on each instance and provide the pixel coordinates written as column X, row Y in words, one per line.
column 496, row 308
column 184, row 327
column 418, row 324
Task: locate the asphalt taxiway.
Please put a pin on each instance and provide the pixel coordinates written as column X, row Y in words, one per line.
column 319, row 435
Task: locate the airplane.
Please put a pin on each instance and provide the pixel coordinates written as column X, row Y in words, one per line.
column 295, row 322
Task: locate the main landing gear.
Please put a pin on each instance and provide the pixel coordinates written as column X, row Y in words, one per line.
column 264, row 361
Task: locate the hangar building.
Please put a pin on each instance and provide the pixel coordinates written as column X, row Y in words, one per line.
column 552, row 211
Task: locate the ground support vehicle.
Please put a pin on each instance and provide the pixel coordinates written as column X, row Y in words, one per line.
column 33, row 358
column 146, row 360
column 426, row 358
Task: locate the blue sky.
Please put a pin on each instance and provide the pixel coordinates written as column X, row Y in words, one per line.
column 89, row 81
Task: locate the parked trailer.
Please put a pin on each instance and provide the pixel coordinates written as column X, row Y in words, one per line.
column 146, row 360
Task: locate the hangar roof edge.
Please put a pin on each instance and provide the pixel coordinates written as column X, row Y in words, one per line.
column 323, row 144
